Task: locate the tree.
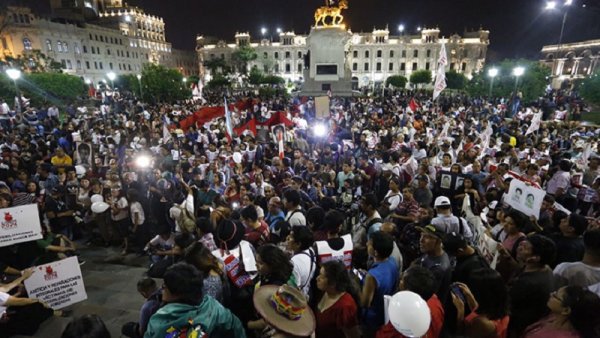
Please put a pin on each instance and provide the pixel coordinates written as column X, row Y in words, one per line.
column 273, row 80
column 161, row 84
column 241, row 57
column 34, row 61
column 420, row 77
column 256, row 76
column 455, row 80
column 398, row 81
column 41, row 88
column 532, row 83
column 590, row 89
column 218, row 82
column 216, row 66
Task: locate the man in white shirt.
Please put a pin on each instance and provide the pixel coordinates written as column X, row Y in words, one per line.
column 292, row 200
column 446, row 222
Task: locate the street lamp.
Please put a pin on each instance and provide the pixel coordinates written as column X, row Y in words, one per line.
column 401, row 28
column 263, row 31
column 15, row 74
column 112, row 76
column 551, row 5
column 184, row 79
column 419, row 29
column 492, row 73
column 518, row 72
column 279, row 30
column 139, row 77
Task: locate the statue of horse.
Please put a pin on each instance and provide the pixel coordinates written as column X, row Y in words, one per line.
column 335, row 13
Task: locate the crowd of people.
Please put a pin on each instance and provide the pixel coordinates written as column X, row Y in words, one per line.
column 305, row 231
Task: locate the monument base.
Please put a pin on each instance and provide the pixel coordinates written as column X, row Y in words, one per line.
column 329, row 69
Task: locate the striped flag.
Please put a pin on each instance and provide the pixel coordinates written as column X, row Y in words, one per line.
column 440, row 78
column 228, row 125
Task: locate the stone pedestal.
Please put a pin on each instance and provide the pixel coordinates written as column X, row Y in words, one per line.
column 329, row 66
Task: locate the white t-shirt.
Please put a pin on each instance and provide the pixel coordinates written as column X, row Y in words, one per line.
column 122, row 213
column 136, row 207
column 295, row 217
column 3, row 299
column 578, row 273
column 393, row 199
column 304, row 269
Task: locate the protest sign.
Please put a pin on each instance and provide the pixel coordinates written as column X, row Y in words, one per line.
column 19, row 224
column 322, row 106
column 525, row 198
column 450, row 182
column 58, row 284
column 484, row 244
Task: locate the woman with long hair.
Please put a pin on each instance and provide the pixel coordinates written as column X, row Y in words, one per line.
column 273, row 265
column 487, row 298
column 574, row 312
column 337, row 310
column 215, row 280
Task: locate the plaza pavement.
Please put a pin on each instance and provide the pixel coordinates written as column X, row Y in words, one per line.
column 110, row 281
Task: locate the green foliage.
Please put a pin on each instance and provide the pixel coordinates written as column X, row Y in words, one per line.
column 590, row 89
column 128, row 83
column 161, row 84
column 33, row 62
column 193, row 79
column 273, row 80
column 256, row 76
column 216, row 66
column 270, row 92
column 397, row 81
column 241, row 57
column 218, row 82
column 455, row 80
column 43, row 88
column 420, row 77
column 532, row 84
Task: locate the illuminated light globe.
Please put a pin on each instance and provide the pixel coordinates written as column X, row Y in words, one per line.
column 13, row 74
column 143, row 161
column 320, row 130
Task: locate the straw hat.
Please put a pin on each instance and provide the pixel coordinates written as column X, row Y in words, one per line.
column 285, row 309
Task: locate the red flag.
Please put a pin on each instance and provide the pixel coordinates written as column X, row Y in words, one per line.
column 413, row 105
column 250, row 125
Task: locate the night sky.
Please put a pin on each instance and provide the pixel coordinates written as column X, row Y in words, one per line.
column 519, row 28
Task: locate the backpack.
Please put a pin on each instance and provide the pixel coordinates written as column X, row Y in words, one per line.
column 187, row 221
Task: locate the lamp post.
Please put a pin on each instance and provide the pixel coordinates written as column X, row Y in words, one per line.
column 139, row 77
column 112, row 76
column 492, row 73
column 15, row 74
column 551, row 5
column 263, row 31
column 518, row 72
column 401, row 29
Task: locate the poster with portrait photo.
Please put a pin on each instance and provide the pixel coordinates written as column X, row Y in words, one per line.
column 83, row 154
column 276, row 130
column 460, row 180
column 446, row 181
column 525, row 198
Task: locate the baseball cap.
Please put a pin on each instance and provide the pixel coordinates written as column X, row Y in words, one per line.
column 441, row 201
column 431, row 230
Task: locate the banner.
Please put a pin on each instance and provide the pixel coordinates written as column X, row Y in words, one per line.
column 485, row 245
column 59, row 284
column 322, row 107
column 20, row 224
column 440, row 79
column 525, row 198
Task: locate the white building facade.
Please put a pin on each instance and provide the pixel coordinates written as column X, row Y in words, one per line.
column 374, row 56
column 571, row 61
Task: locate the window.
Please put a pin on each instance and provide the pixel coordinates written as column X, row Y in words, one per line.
column 288, row 55
column 90, row 36
column 65, row 47
column 63, row 63
column 355, row 66
column 299, row 55
column 265, row 55
column 427, row 66
column 403, row 66
column 464, row 66
column 379, row 53
column 391, row 66
column 127, row 53
column 93, row 50
column 27, row 44
column 100, row 65
column 299, row 68
column 85, row 49
column 120, row 67
column 404, row 53
column 414, row 66
column 378, row 66
column 101, row 38
column 366, row 66
column 110, row 65
column 95, row 37
column 452, row 66
column 59, row 47
column 107, row 51
column 415, row 53
column 391, row 53
column 49, row 45
column 87, row 64
column 129, row 66
column 355, row 54
column 288, row 68
column 77, row 50
column 265, row 68
column 78, row 64
column 366, row 53
column 429, row 53
column 276, row 55
column 69, row 64
column 276, row 68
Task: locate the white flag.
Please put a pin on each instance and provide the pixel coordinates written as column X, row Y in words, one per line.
column 440, row 78
column 486, row 135
column 536, row 121
column 166, row 134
